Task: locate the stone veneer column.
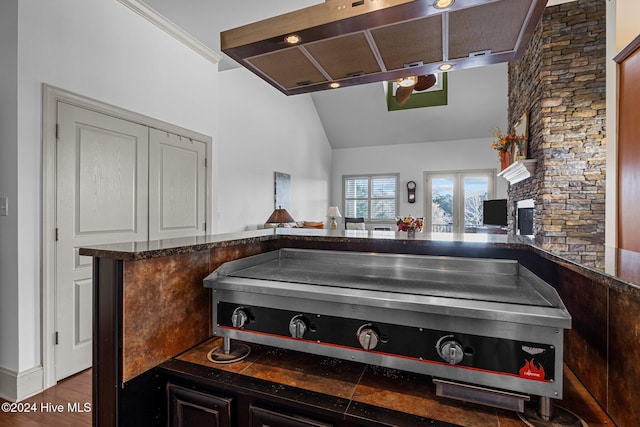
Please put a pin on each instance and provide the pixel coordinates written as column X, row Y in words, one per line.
column 560, row 83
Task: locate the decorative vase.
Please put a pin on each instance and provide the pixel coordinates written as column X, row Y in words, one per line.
column 505, row 159
column 411, row 234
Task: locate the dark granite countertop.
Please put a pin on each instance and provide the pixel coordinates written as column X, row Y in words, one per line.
column 622, row 267
column 133, row 251
column 157, row 248
column 352, row 388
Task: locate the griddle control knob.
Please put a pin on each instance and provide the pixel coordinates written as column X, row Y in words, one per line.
column 368, row 336
column 298, row 326
column 450, row 350
column 239, row 317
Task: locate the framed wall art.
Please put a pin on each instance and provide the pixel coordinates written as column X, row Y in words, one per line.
column 282, row 192
column 521, row 128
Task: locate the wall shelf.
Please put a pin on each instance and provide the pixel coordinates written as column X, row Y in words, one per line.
column 519, row 170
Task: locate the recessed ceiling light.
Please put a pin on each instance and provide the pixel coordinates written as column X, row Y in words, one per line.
column 292, row 39
column 443, row 4
column 334, row 85
column 445, row 67
column 408, row 81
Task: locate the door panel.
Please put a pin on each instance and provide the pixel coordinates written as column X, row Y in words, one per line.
column 107, row 172
column 261, row 417
column 102, row 197
column 629, row 154
column 83, row 311
column 443, row 207
column 191, row 408
column 177, row 190
column 476, row 191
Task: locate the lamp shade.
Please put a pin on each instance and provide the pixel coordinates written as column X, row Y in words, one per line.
column 334, row 212
column 280, row 216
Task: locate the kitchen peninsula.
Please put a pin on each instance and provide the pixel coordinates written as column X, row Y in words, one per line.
column 151, row 307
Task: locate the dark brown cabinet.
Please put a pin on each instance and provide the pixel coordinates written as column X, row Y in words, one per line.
column 196, row 396
column 261, row 417
column 190, row 408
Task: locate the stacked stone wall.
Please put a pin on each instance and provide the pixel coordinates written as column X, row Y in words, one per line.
column 560, row 82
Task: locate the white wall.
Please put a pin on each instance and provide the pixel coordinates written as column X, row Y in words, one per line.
column 102, row 50
column 8, row 184
column 411, row 161
column 263, row 131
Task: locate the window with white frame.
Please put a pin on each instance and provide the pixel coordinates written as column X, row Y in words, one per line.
column 373, row 197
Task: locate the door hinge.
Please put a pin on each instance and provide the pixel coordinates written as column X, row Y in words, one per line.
column 57, row 131
column 56, row 337
column 206, row 162
column 204, row 225
column 57, row 234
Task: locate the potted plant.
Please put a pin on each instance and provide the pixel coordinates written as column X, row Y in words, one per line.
column 504, row 144
column 410, row 225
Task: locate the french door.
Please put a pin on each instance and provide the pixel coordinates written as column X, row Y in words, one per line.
column 116, row 181
column 454, row 199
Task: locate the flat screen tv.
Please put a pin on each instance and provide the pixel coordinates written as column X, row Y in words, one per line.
column 494, row 212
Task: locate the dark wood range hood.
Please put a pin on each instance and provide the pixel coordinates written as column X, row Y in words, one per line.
column 365, row 41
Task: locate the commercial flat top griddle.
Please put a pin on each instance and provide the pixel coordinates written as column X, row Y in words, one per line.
column 479, row 322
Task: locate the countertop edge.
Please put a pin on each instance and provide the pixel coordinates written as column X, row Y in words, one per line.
column 132, row 251
column 135, row 251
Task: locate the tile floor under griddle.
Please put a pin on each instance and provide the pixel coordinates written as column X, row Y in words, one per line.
column 388, row 388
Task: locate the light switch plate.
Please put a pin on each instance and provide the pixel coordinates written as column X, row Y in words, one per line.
column 4, row 206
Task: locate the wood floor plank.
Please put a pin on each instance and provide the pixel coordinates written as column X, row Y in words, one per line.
column 67, row 404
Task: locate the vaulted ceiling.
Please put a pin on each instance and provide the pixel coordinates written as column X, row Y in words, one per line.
column 357, row 116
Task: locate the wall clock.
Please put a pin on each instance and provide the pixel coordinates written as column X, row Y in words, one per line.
column 411, row 191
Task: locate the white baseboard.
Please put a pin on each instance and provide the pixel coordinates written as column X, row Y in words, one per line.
column 15, row 387
column 8, row 384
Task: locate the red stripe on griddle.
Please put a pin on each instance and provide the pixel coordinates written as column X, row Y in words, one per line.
column 434, row 362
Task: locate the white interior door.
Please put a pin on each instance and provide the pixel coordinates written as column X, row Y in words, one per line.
column 177, row 186
column 101, row 197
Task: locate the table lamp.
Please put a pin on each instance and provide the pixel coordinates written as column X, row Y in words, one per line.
column 333, row 213
column 280, row 216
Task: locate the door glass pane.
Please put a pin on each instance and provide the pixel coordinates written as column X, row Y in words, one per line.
column 442, row 205
column 476, row 190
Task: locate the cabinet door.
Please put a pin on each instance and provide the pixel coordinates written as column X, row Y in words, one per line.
column 261, row 417
column 190, row 408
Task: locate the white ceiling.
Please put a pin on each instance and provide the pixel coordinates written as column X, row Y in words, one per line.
column 357, row 116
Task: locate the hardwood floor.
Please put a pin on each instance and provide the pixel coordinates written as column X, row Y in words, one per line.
column 66, row 404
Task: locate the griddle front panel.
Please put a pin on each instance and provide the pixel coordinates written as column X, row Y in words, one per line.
column 493, row 355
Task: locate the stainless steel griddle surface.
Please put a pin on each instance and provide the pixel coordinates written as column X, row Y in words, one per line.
column 484, row 280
